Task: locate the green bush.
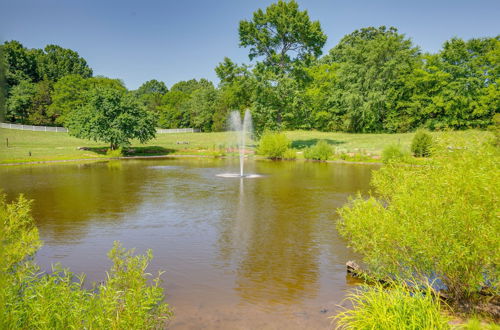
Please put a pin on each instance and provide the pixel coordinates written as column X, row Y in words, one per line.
column 31, row 299
column 273, row 145
column 398, row 307
column 290, row 154
column 393, row 153
column 438, row 221
column 320, row 151
column 115, row 153
column 421, row 145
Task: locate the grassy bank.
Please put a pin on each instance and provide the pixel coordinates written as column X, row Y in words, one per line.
column 27, row 146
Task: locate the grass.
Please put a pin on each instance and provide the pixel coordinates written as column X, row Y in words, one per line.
column 49, row 146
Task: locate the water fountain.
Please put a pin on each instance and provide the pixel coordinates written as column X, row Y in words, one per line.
column 242, row 128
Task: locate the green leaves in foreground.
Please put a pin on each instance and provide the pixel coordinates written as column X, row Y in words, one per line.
column 433, row 222
column 31, row 299
column 398, row 307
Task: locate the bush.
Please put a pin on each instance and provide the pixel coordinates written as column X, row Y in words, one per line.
column 273, row 145
column 31, row 299
column 393, row 153
column 421, row 145
column 377, row 307
column 438, row 222
column 290, row 154
column 320, row 151
column 115, row 153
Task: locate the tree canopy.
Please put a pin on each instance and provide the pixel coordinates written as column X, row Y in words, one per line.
column 112, row 117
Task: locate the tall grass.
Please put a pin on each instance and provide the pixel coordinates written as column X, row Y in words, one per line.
column 395, row 307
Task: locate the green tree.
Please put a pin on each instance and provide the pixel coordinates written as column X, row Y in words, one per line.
column 372, row 64
column 113, row 117
column 55, row 62
column 68, row 95
column 20, row 101
column 283, row 35
column 42, row 99
column 20, row 63
column 151, row 93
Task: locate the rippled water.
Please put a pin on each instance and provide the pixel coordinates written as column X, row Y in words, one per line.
column 237, row 253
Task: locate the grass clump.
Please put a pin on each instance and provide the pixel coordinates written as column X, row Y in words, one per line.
column 273, row 145
column 290, row 154
column 433, row 222
column 394, row 153
column 31, row 299
column 421, row 145
column 115, row 153
column 395, row 307
column 320, row 151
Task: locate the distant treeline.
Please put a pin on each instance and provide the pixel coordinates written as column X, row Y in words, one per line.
column 373, row 80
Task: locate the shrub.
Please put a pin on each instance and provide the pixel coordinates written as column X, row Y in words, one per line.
column 290, row 154
column 115, row 153
column 33, row 300
column 273, row 145
column 320, row 151
column 438, row 221
column 421, row 145
column 398, row 307
column 393, row 153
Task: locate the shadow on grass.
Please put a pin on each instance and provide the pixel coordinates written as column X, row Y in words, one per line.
column 301, row 144
column 135, row 151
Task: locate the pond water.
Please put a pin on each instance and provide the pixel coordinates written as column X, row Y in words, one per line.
column 237, row 253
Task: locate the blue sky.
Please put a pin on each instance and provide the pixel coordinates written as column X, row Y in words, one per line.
column 179, row 40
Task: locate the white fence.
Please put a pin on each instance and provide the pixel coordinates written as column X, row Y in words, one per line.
column 34, row 128
column 65, row 130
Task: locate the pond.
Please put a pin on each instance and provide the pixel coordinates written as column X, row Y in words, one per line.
column 237, row 253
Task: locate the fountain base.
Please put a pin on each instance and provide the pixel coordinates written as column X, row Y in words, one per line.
column 237, row 175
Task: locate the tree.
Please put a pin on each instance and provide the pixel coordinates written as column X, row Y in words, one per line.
column 372, row 64
column 19, row 101
column 283, row 35
column 68, row 95
column 150, row 94
column 55, row 62
column 20, row 63
column 42, row 99
column 113, row 117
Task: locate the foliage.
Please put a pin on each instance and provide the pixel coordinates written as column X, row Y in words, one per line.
column 320, row 151
column 68, row 95
column 433, row 222
column 396, row 307
column 55, row 62
column 421, row 145
column 370, row 66
column 115, row 153
column 279, row 33
column 20, row 101
column 56, row 300
column 394, row 154
column 290, row 154
column 273, row 145
column 112, row 117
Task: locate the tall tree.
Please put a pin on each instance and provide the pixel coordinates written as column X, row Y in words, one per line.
column 113, row 117
column 55, row 62
column 20, row 101
column 283, row 35
column 151, row 93
column 20, row 63
column 372, row 64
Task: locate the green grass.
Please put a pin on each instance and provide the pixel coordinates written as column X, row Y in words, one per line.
column 47, row 146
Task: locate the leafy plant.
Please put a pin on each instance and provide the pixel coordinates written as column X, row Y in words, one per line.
column 115, row 153
column 393, row 153
column 397, row 307
column 31, row 299
column 433, row 222
column 320, row 151
column 273, row 145
column 421, row 145
column 290, row 154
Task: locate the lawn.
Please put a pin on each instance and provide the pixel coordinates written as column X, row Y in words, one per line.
column 27, row 146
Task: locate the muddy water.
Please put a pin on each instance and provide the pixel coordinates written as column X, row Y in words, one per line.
column 258, row 253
